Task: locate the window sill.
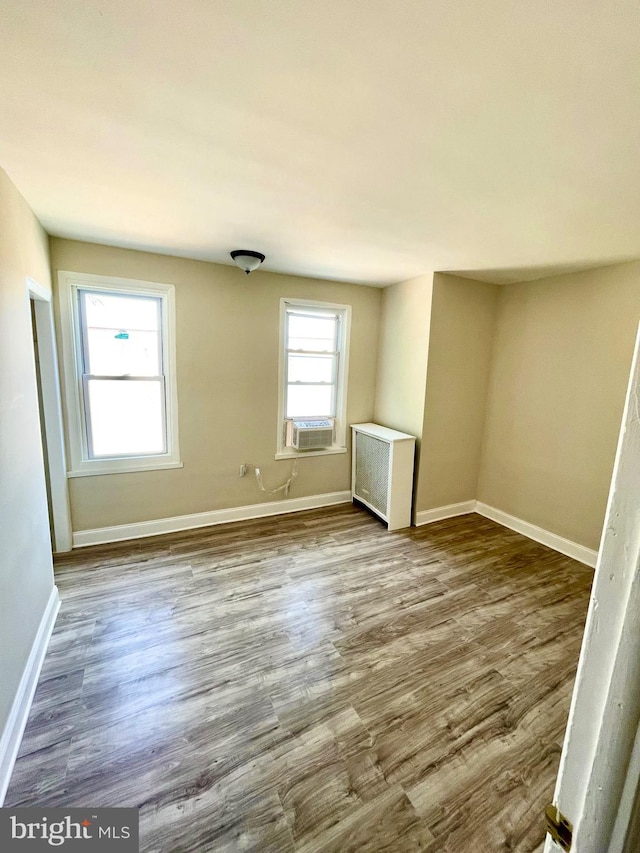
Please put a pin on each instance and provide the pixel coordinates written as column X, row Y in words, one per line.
column 291, row 453
column 106, row 468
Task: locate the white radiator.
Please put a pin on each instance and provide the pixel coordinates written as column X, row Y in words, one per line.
column 382, row 472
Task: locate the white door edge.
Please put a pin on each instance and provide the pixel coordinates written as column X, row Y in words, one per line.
column 596, row 767
column 52, row 415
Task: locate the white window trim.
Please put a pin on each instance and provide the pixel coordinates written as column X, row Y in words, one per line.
column 340, row 436
column 80, row 463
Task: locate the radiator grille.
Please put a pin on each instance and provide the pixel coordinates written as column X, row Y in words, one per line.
column 372, row 471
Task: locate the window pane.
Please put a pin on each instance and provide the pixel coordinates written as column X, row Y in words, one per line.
column 312, row 333
column 126, row 417
column 106, row 310
column 122, row 334
column 308, row 401
column 310, row 368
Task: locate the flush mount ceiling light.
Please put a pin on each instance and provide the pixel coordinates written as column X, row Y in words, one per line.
column 247, row 260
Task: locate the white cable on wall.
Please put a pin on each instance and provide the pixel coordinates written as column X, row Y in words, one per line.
column 284, row 487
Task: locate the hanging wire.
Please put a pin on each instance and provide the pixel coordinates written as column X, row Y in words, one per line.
column 284, row 487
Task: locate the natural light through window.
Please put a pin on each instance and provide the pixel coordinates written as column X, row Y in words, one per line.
column 314, row 340
column 125, row 406
column 312, row 355
column 124, row 385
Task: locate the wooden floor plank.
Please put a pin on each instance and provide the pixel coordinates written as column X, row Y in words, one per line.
column 311, row 683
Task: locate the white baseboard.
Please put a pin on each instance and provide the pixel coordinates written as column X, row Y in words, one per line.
column 15, row 725
column 118, row 533
column 428, row 516
column 121, row 532
column 539, row 534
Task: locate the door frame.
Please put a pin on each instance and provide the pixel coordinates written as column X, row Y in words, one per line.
column 62, row 533
column 598, row 780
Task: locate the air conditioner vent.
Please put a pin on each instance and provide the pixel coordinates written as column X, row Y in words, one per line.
column 310, row 434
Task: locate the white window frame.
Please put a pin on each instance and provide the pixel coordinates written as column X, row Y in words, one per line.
column 340, row 422
column 81, row 465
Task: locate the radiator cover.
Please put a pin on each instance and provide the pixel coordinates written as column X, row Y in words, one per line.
column 382, row 472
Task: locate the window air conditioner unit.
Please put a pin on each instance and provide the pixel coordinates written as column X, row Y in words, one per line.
column 310, row 435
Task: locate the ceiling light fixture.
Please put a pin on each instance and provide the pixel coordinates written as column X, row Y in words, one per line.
column 247, row 260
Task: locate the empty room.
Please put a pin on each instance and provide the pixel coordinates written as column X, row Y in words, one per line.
column 319, row 437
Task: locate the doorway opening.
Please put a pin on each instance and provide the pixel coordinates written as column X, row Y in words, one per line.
column 43, row 431
column 53, row 450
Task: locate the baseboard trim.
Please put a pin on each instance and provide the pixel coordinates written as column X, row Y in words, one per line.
column 139, row 530
column 121, row 532
column 531, row 531
column 428, row 516
column 539, row 534
column 15, row 725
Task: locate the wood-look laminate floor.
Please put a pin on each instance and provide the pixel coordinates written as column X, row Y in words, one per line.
column 311, row 682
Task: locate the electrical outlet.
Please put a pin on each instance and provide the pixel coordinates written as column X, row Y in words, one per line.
column 243, row 470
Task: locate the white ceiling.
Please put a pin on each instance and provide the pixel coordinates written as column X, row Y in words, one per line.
column 364, row 140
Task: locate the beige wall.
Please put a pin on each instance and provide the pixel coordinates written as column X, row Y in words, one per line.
column 26, row 576
column 402, row 359
column 227, row 354
column 463, row 316
column 562, row 356
column 556, row 374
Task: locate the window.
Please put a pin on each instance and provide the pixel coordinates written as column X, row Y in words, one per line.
column 119, row 362
column 314, row 343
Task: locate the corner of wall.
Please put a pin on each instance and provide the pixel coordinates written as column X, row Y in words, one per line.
column 25, row 558
column 402, row 354
column 458, row 368
column 403, row 351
